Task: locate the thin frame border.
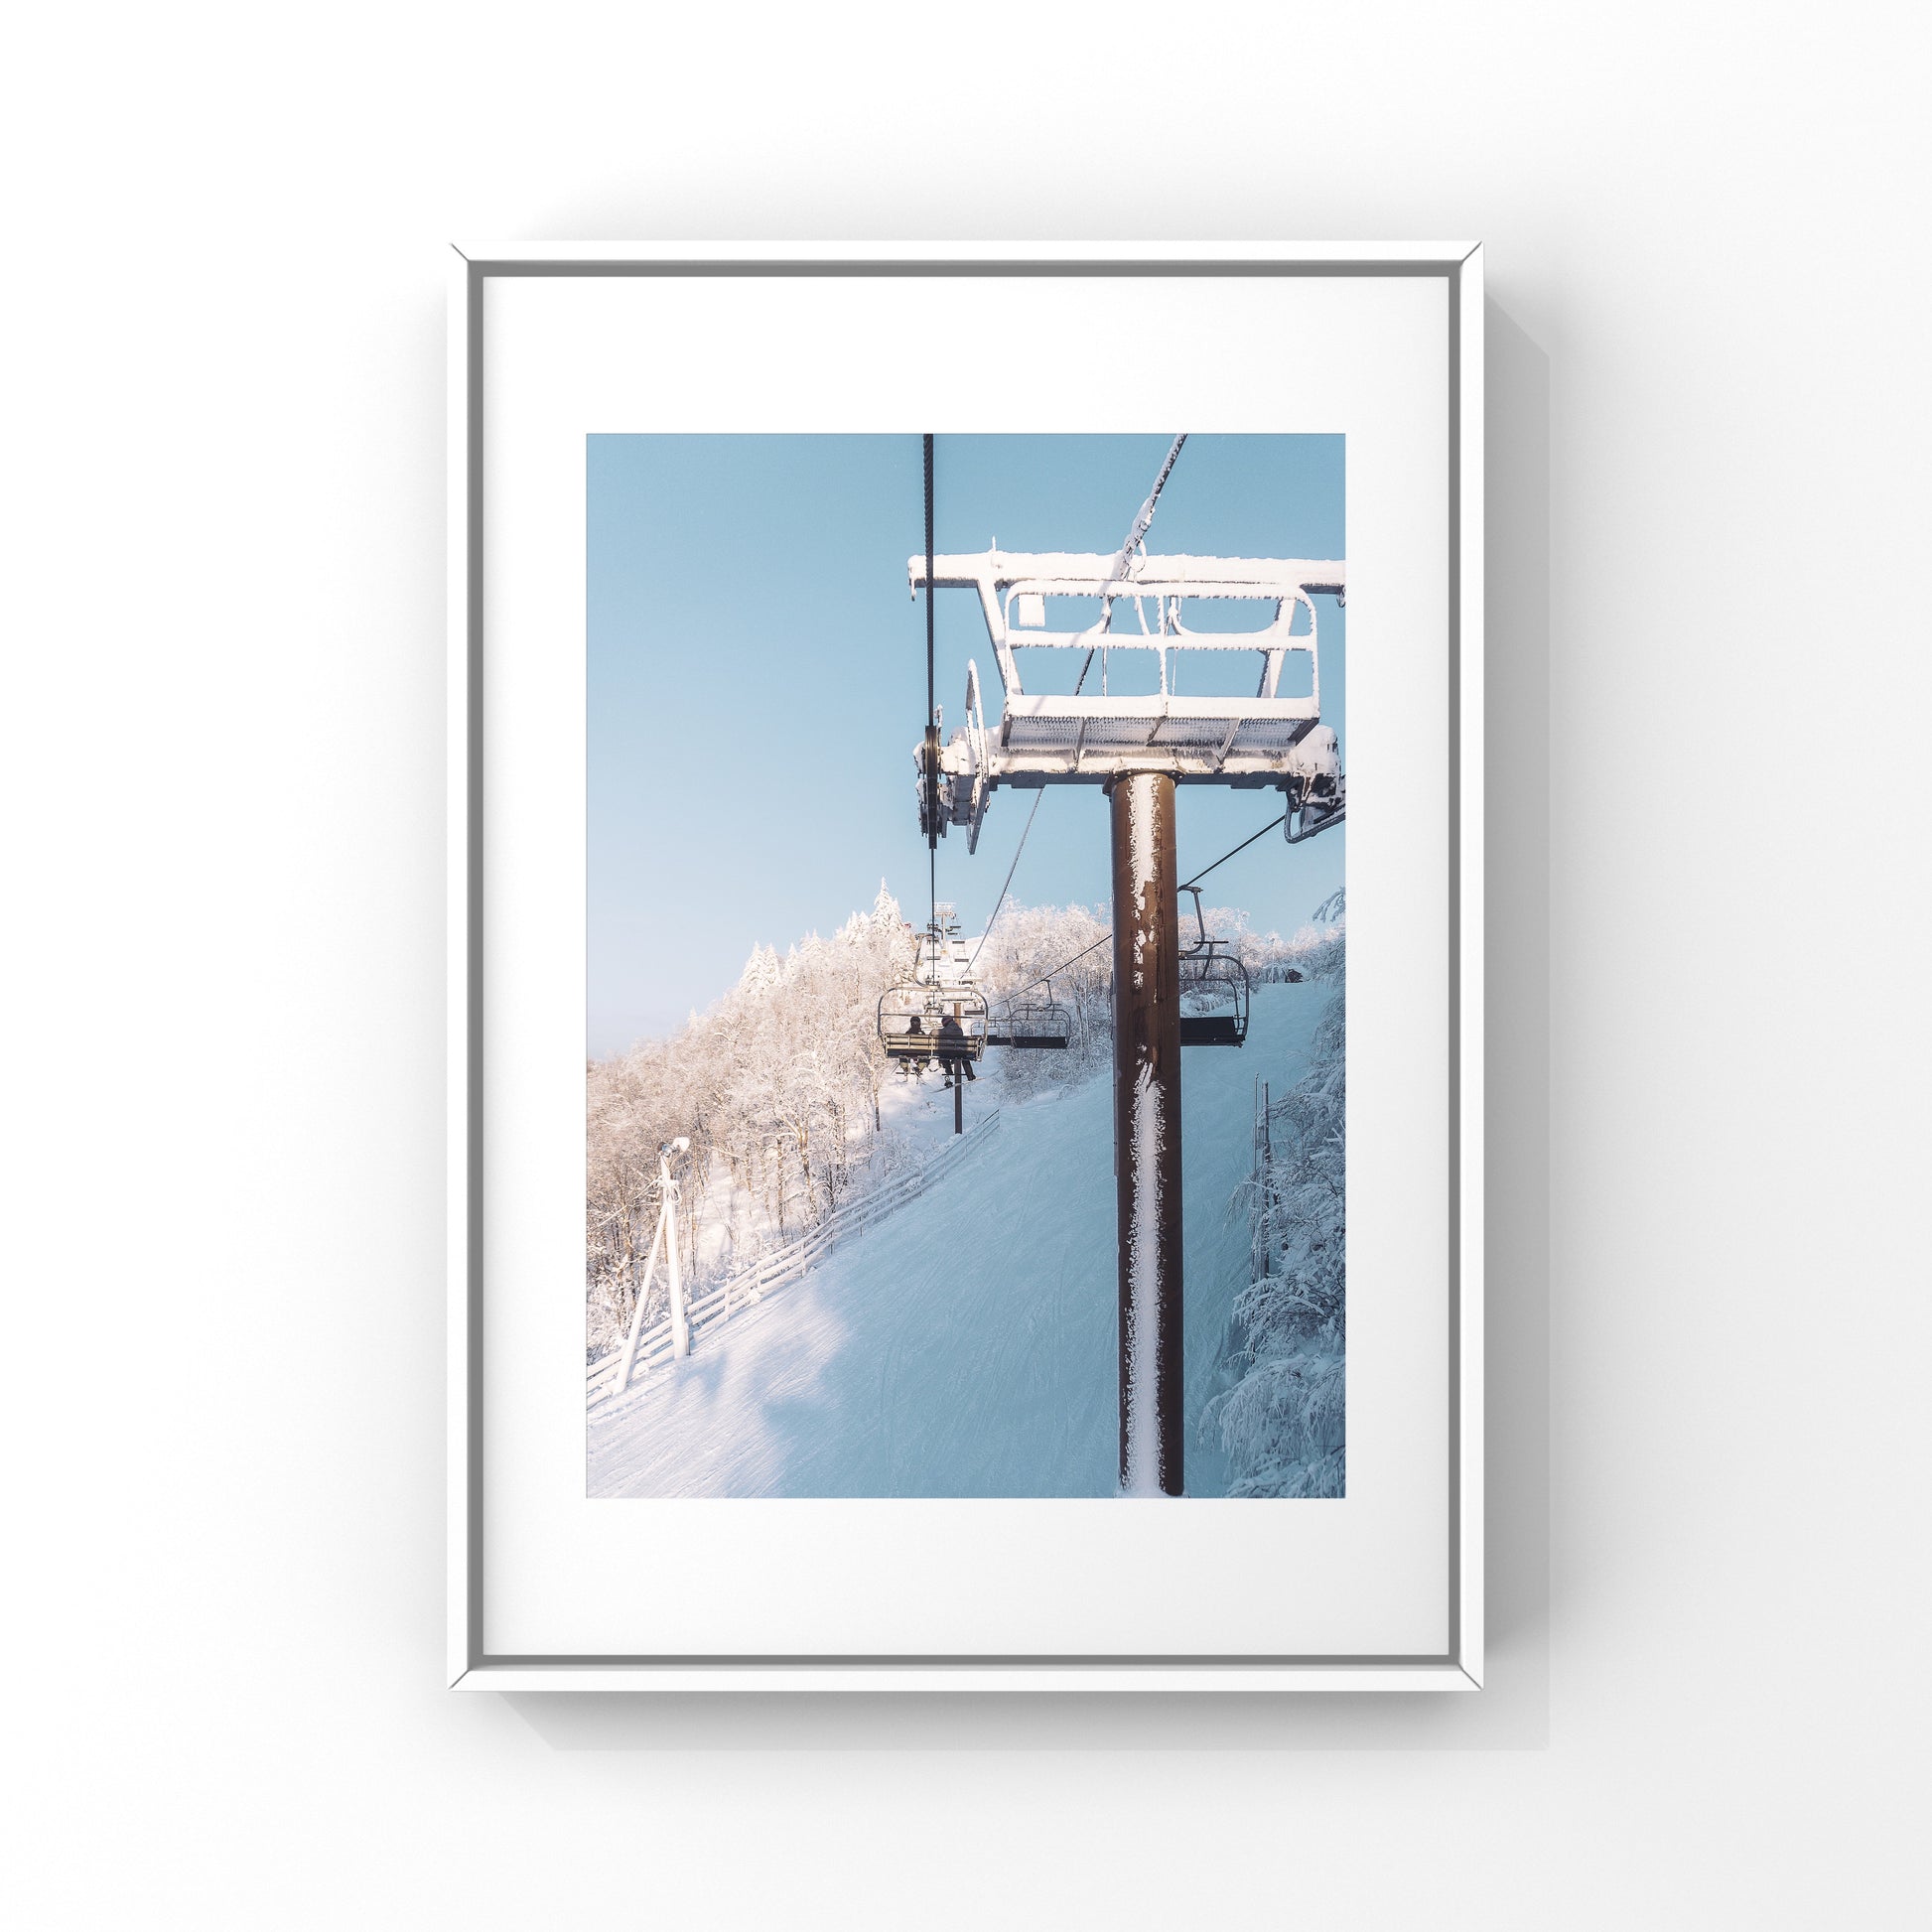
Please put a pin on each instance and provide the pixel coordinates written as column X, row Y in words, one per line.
column 1460, row 1666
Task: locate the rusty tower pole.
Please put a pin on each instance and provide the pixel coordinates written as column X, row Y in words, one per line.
column 1146, row 1132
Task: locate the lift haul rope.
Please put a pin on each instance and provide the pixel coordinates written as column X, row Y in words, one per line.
column 1226, row 856
column 1010, row 869
column 1134, row 537
column 1105, row 936
column 931, row 711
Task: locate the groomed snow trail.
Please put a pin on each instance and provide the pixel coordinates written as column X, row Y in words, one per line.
column 966, row 1345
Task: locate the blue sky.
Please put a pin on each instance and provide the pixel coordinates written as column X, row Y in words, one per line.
column 758, row 684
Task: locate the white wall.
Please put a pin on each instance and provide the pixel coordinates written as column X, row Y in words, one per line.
column 222, row 777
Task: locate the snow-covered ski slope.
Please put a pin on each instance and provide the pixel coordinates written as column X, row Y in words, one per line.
column 966, row 1345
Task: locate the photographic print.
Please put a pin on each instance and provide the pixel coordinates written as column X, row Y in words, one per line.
column 965, row 1080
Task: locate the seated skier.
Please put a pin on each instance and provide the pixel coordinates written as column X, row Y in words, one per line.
column 953, row 1035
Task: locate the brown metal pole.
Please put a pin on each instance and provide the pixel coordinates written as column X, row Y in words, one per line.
column 1146, row 1132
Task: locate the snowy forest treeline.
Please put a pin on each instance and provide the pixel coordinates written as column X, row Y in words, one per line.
column 1279, row 1411
column 787, row 1098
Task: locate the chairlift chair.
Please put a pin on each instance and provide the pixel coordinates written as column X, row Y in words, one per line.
column 935, row 1012
column 1033, row 1021
column 1214, row 990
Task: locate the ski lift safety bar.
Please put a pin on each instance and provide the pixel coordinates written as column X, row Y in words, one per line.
column 472, row 1663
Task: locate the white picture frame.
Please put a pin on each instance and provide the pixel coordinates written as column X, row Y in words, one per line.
column 476, row 361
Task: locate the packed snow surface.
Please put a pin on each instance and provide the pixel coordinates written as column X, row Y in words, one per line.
column 966, row 1346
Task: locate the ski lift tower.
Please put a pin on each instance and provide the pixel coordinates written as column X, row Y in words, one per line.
column 1139, row 749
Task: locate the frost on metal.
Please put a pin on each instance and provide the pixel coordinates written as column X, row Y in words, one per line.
column 1147, row 1130
column 1141, row 1470
column 1093, row 735
column 1142, row 821
column 1280, row 1412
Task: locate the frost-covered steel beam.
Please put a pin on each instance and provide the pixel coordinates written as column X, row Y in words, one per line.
column 1004, row 577
column 1046, row 740
column 1201, row 740
column 1094, row 573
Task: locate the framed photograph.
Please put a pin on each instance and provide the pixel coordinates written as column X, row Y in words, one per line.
column 966, row 967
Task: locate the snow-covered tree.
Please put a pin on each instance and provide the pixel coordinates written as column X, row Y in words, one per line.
column 777, row 1088
column 1028, row 942
column 1279, row 1412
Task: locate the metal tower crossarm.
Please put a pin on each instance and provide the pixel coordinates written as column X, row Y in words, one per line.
column 1046, row 740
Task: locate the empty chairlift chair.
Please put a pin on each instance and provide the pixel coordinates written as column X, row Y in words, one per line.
column 1214, row 991
column 1033, row 1020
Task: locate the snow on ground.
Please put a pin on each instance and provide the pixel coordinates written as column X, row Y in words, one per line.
column 966, row 1345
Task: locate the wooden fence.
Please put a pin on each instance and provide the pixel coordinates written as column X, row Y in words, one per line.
column 749, row 1285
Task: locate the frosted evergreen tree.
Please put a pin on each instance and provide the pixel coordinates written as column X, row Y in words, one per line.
column 1279, row 1414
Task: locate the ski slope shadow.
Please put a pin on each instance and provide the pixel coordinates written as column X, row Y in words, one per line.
column 966, row 1345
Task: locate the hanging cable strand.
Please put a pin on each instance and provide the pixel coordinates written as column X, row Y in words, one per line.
column 1136, row 535
column 929, row 704
column 1052, row 972
column 931, row 709
column 1124, row 557
column 1010, row 869
column 1242, row 847
column 1022, row 846
column 1105, row 936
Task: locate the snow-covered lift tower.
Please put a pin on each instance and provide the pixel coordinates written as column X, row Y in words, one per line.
column 1138, row 747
